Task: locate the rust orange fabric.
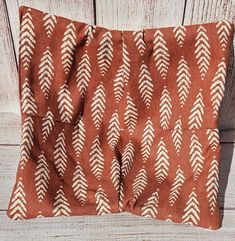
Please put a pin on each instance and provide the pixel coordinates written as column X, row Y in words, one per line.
column 116, row 121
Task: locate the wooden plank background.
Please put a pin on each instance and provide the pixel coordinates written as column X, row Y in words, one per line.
column 114, row 14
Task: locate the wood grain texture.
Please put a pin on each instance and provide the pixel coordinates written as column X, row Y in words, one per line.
column 132, row 15
column 8, row 70
column 208, row 11
column 123, row 226
column 138, row 14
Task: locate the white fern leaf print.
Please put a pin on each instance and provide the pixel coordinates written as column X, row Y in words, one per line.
column 179, row 32
column 28, row 102
column 68, row 47
column 79, row 136
column 96, row 159
column 127, row 158
column 126, row 63
column 26, row 39
column 118, row 84
column 65, row 104
column 105, row 53
column 90, row 30
column 60, row 154
column 161, row 54
column 113, row 133
column 147, row 139
column 17, row 207
column 223, row 29
column 196, row 114
column 42, row 177
column 131, row 114
column 176, row 186
column 162, row 162
column 196, row 155
column 192, row 211
column 218, row 87
column 213, row 138
column 46, row 72
column 115, row 173
column 149, row 208
column 102, row 202
column 80, row 185
column 212, row 185
column 139, row 41
column 183, row 80
column 26, row 142
column 61, row 204
column 47, row 124
column 177, row 135
column 139, row 184
column 145, row 85
column 83, row 74
column 121, row 198
column 98, row 105
column 49, row 22
column 165, row 108
column 202, row 51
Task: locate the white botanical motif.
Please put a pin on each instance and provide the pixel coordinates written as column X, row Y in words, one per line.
column 102, row 202
column 26, row 142
column 79, row 136
column 96, row 159
column 149, row 208
column 26, row 39
column 162, row 162
column 176, row 186
column 223, row 31
column 98, row 105
column 192, row 211
column 139, row 184
column 139, row 41
column 147, row 139
column 60, row 154
column 118, row 84
column 42, row 177
column 90, row 30
column 177, row 135
column 113, row 133
column 83, row 74
column 196, row 155
column 202, row 51
column 131, row 114
column 145, row 85
column 183, row 80
column 17, row 207
column 165, row 108
column 68, row 47
column 65, row 104
column 127, row 158
column 61, row 204
column 213, row 138
column 161, row 54
column 196, row 114
column 115, row 173
column 80, row 185
column 46, row 72
column 121, row 197
column 179, row 32
column 212, row 185
column 126, row 67
column 47, row 124
column 49, row 23
column 105, row 53
column 28, row 102
column 218, row 87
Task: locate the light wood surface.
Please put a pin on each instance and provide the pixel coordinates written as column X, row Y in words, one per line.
column 132, row 15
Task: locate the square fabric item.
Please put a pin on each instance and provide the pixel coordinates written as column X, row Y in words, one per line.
column 119, row 121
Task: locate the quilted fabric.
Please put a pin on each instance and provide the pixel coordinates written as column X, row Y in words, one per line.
column 116, row 121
